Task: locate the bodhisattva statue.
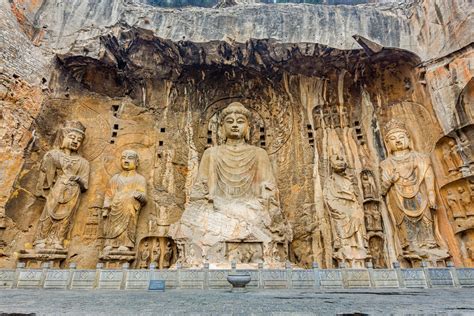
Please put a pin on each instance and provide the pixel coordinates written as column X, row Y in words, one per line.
column 347, row 215
column 408, row 182
column 125, row 196
column 234, row 199
column 64, row 174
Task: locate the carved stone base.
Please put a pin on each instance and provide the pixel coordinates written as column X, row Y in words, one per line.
column 116, row 259
column 463, row 224
column 35, row 259
column 435, row 257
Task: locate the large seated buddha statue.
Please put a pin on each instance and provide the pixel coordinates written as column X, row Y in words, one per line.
column 234, row 211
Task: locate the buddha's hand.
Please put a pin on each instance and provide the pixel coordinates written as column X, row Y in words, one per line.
column 395, row 176
column 139, row 196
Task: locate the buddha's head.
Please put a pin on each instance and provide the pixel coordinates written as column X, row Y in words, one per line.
column 73, row 135
column 129, row 160
column 338, row 164
column 235, row 121
column 397, row 137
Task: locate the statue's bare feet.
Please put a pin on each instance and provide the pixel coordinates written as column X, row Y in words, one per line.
column 40, row 246
column 58, row 246
column 107, row 248
column 123, row 248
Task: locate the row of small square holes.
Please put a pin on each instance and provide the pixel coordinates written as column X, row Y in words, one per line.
column 359, row 135
column 310, row 135
column 115, row 112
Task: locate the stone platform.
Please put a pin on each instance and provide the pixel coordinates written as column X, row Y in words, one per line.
column 218, row 302
column 208, row 279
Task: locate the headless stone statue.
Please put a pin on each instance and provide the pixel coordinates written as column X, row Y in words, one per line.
column 409, row 187
column 125, row 196
column 64, row 174
column 347, row 215
column 233, row 200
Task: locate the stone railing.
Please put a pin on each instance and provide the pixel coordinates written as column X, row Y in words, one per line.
column 288, row 278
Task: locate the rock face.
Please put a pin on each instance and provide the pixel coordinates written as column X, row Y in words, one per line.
column 155, row 82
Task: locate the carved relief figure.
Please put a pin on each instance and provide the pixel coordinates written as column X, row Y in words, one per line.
column 125, row 196
column 144, row 256
column 64, row 174
column 465, row 201
column 233, row 199
column 368, row 186
column 156, row 252
column 373, row 217
column 409, row 186
column 450, row 157
column 465, row 148
column 454, row 205
column 347, row 215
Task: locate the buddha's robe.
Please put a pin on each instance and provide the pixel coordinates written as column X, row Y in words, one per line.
column 64, row 194
column 121, row 222
column 407, row 181
column 347, row 217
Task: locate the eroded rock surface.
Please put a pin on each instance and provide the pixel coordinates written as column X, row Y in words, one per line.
column 155, row 81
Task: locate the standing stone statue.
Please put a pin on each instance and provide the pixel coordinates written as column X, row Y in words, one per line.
column 64, row 174
column 347, row 215
column 125, row 196
column 408, row 182
column 234, row 201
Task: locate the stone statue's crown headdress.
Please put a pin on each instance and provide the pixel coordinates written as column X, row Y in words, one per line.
column 75, row 126
column 394, row 126
column 235, row 107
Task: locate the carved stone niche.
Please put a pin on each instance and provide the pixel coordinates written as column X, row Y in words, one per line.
column 459, row 198
column 244, row 251
column 373, row 219
column 447, row 154
column 454, row 154
column 160, row 251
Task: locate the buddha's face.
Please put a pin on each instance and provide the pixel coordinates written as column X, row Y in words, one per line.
column 398, row 141
column 338, row 163
column 129, row 161
column 235, row 126
column 72, row 140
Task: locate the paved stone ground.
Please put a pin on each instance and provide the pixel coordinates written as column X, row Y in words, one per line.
column 263, row 302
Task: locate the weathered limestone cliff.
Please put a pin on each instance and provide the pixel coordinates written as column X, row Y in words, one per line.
column 320, row 81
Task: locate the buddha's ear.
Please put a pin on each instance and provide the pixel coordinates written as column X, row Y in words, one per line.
column 247, row 134
column 221, row 133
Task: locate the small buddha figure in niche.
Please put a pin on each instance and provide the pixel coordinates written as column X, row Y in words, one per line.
column 233, row 199
column 450, row 157
column 124, row 197
column 465, row 201
column 455, row 205
column 368, row 186
column 144, row 256
column 346, row 213
column 408, row 182
column 64, row 175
